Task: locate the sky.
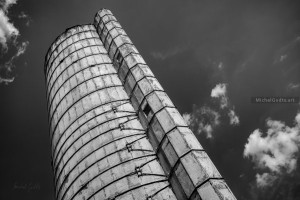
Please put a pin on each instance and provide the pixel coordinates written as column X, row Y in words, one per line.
column 211, row 56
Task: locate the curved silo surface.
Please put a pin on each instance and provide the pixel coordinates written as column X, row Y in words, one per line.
column 99, row 147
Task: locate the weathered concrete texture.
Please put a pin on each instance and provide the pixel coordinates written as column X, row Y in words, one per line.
column 190, row 171
column 100, row 149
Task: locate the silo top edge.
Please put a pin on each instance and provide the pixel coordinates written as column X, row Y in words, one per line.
column 101, row 13
column 52, row 46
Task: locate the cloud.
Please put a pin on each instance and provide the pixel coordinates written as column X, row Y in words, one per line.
column 23, row 15
column 265, row 179
column 220, row 91
column 206, row 128
column 220, row 66
column 7, row 67
column 7, row 30
column 203, row 120
column 297, row 119
column 293, row 86
column 210, row 120
column 234, row 119
column 7, row 80
column 276, row 152
column 6, row 4
column 9, row 36
column 284, row 53
column 282, row 58
column 158, row 55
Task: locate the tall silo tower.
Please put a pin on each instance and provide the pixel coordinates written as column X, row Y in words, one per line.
column 114, row 132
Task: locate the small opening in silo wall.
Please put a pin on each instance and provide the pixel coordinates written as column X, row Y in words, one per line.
column 119, row 57
column 147, row 110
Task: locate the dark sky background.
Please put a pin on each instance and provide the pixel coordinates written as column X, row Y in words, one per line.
column 191, row 46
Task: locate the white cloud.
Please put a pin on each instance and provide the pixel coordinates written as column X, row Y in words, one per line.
column 159, row 55
column 220, row 66
column 234, row 119
column 297, row 119
column 6, row 80
column 214, row 115
column 9, row 65
column 287, row 50
column 206, row 128
column 21, row 49
column 282, row 58
column 6, row 4
column 9, row 33
column 24, row 16
column 276, row 151
column 265, row 179
column 208, row 119
column 293, row 86
column 220, row 91
column 203, row 120
column 7, row 30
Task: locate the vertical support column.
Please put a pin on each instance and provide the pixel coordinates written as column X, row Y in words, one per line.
column 190, row 171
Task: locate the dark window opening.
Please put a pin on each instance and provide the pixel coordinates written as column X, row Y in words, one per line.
column 147, row 110
column 67, row 178
column 119, row 57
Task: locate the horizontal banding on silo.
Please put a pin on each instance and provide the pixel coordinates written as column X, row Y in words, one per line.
column 94, row 130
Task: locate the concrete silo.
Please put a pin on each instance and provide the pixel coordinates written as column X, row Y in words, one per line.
column 115, row 133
